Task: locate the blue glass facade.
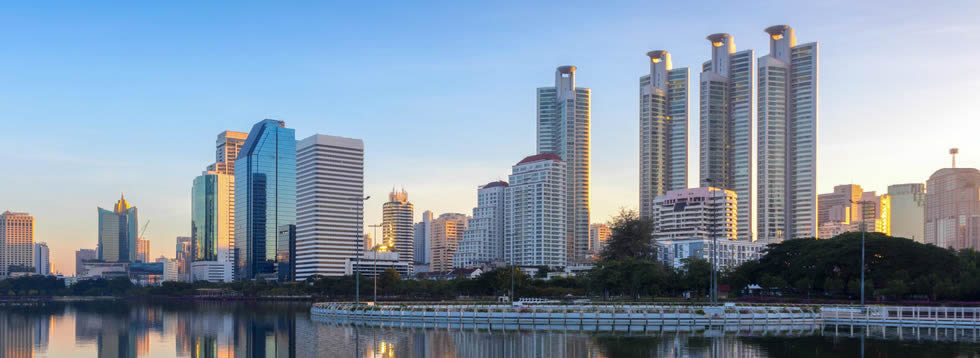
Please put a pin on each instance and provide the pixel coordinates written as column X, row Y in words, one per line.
column 265, row 196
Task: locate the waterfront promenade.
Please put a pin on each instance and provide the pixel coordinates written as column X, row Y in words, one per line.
column 646, row 318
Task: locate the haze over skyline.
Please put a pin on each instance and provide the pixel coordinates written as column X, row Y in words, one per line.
column 103, row 99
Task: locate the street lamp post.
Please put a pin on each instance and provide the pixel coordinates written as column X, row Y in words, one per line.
column 713, row 290
column 864, row 228
column 359, row 242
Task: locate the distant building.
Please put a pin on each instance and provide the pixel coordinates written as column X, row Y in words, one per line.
column 483, row 240
column 564, row 128
column 731, row 253
column 373, row 263
column 170, row 272
column 16, row 241
column 368, row 244
column 185, row 255
column 447, row 230
column 598, row 235
column 142, row 249
column 850, row 209
column 265, row 196
column 42, row 259
column 118, row 233
column 82, row 255
column 329, row 204
column 952, row 213
column 535, row 232
column 397, row 229
column 727, row 126
column 701, row 213
column 423, row 239
column 226, row 151
column 664, row 110
column 908, row 210
column 213, row 225
column 788, row 88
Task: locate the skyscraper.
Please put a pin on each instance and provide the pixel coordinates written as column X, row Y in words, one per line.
column 447, row 231
column 118, row 233
column 908, row 210
column 598, row 235
column 664, row 108
column 213, row 227
column 727, row 127
column 787, row 138
column 396, row 226
column 423, row 238
column 329, row 204
column 265, row 196
column 953, row 208
column 226, row 151
column 483, row 240
column 42, row 259
column 535, row 230
column 142, row 249
column 563, row 128
column 850, row 209
column 184, row 256
column 16, row 241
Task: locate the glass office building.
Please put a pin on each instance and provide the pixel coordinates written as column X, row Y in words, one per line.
column 117, row 233
column 265, row 196
column 212, row 217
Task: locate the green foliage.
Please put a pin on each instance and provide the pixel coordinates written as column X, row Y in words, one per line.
column 632, row 237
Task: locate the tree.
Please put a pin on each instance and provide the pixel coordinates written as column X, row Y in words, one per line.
column 389, row 279
column 697, row 275
column 632, row 236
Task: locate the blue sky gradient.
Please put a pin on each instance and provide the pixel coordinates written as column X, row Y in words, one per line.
column 102, row 98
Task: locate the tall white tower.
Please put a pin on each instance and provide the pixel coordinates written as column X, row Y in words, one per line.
column 664, row 108
column 563, row 128
column 726, row 126
column 787, row 137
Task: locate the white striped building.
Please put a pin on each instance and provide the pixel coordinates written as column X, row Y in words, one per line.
column 329, row 205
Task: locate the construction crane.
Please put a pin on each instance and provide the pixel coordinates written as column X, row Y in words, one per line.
column 147, row 224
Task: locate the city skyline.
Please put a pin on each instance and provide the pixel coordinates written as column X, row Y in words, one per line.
column 883, row 109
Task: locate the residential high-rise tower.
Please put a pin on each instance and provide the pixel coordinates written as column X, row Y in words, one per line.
column 664, row 108
column 563, row 128
column 726, row 126
column 535, row 230
column 447, row 231
column 397, row 230
column 16, row 241
column 483, row 240
column 787, row 138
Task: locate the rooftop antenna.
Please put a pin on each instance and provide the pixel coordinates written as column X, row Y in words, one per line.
column 953, row 152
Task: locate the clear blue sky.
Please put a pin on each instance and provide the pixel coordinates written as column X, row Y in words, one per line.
column 98, row 99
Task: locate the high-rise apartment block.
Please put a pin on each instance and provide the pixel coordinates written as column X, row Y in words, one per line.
column 397, row 228
column 952, row 214
column 727, row 126
column 16, row 241
column 42, row 259
column 423, row 239
column 213, row 227
column 142, row 249
column 598, row 235
column 908, row 210
column 787, row 138
column 563, row 128
column 447, row 231
column 535, row 228
column 483, row 240
column 329, row 204
column 265, row 196
column 118, row 232
column 664, row 108
column 704, row 213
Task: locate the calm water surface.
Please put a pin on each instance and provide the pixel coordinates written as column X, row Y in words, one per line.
column 211, row 329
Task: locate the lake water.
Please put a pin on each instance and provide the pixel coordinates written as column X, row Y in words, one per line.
column 221, row 329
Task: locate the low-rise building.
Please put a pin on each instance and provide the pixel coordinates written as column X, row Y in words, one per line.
column 730, row 253
column 373, row 263
column 695, row 213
